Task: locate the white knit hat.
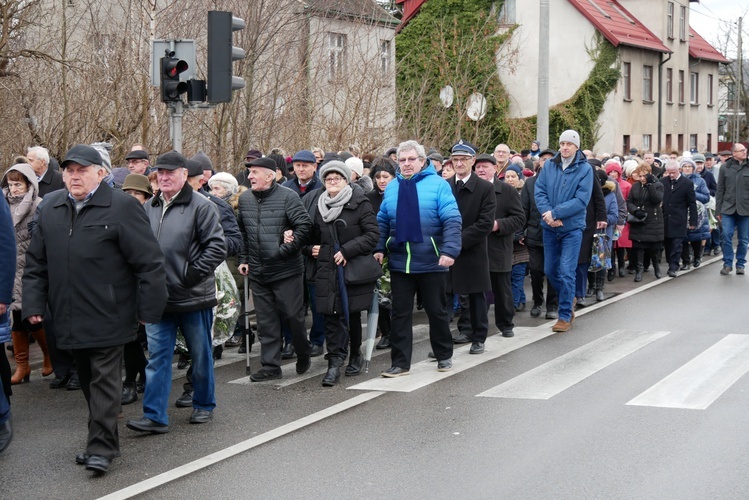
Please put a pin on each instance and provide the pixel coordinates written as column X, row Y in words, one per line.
column 570, row 136
column 356, row 165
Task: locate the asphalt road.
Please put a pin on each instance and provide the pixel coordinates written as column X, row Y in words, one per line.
column 644, row 398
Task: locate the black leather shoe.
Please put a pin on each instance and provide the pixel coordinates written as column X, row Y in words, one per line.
column 394, row 371
column 201, row 416
column 74, row 384
column 599, row 295
column 59, row 382
column 98, row 464
column 535, row 311
column 508, row 333
column 726, row 270
column 477, row 348
column 6, row 435
column 316, row 350
column 185, row 400
column 739, row 270
column 697, row 262
column 303, row 364
column 242, row 350
column 684, row 267
column 129, row 394
column 144, row 424
column 520, row 307
column 81, row 458
column 638, row 277
column 288, row 352
column 430, row 355
column 445, row 365
column 552, row 315
column 218, row 352
column 354, row 364
column 264, row 375
column 183, row 361
column 234, row 341
column 671, row 273
column 621, row 272
column 461, row 338
column 384, row 342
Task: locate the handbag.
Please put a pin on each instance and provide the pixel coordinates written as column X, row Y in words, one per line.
column 362, row 269
column 600, row 257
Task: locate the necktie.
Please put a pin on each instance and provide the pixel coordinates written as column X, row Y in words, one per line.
column 460, row 184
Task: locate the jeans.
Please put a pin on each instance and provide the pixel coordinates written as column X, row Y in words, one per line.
column 561, row 251
column 518, row 279
column 4, row 401
column 734, row 223
column 581, row 279
column 196, row 328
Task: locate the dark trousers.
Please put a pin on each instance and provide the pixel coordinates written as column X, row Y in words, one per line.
column 432, row 287
column 696, row 251
column 135, row 360
column 673, row 252
column 4, row 374
column 474, row 321
column 504, row 308
column 536, row 265
column 63, row 361
column 101, row 382
column 275, row 302
column 338, row 337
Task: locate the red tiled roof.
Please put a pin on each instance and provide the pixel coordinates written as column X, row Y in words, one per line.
column 410, row 9
column 617, row 25
column 699, row 48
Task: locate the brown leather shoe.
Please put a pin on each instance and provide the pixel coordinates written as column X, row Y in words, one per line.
column 561, row 326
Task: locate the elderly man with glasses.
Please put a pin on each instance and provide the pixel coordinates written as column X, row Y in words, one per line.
column 732, row 207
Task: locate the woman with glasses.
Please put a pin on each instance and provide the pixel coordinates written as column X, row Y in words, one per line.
column 344, row 227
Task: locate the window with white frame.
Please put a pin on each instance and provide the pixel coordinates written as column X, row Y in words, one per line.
column 647, row 83
column 669, row 85
column 681, row 86
column 337, row 55
column 670, row 20
column 692, row 142
column 647, row 141
column 710, row 101
column 507, row 13
column 683, row 23
column 694, row 88
column 385, row 57
column 627, row 80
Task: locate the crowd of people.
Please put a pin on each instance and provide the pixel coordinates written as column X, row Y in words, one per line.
column 99, row 265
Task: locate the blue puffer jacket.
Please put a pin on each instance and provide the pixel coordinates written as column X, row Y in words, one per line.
column 565, row 192
column 440, row 225
column 7, row 267
column 702, row 194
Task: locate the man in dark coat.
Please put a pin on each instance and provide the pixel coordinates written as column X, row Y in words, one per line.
column 679, row 203
column 732, row 207
column 534, row 241
column 470, row 273
column 275, row 268
column 49, row 179
column 508, row 218
column 595, row 220
column 94, row 260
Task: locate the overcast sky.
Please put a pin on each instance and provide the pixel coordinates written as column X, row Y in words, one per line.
column 710, row 18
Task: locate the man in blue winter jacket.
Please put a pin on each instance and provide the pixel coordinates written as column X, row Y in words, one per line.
column 562, row 193
column 420, row 231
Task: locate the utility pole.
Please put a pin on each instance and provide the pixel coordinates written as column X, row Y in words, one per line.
column 542, row 120
column 739, row 90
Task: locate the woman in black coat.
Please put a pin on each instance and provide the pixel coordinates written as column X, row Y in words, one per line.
column 596, row 213
column 358, row 236
column 382, row 173
column 644, row 201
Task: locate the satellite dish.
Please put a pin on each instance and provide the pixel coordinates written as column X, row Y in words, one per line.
column 447, row 94
column 476, row 109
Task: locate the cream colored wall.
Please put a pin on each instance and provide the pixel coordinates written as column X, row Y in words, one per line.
column 570, row 36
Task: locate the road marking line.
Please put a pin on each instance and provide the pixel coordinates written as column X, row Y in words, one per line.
column 319, row 368
column 561, row 373
column 425, row 372
column 213, row 458
column 703, row 379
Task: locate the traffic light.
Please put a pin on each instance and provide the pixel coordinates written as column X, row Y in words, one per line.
column 171, row 87
column 221, row 55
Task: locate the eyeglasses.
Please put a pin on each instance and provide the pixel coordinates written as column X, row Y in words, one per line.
column 739, row 150
column 333, row 180
column 500, row 152
column 410, row 159
column 461, row 159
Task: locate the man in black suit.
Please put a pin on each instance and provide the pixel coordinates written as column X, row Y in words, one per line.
column 508, row 218
column 470, row 273
column 49, row 179
column 679, row 203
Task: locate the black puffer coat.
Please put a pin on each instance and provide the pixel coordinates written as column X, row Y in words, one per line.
column 596, row 212
column 263, row 217
column 647, row 197
column 359, row 237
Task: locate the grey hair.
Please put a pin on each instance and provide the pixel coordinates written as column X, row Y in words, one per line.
column 40, row 152
column 672, row 163
column 412, row 145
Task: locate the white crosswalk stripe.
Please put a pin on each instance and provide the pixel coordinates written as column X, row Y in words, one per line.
column 551, row 378
column 697, row 384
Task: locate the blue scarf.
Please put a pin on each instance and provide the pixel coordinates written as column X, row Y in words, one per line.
column 407, row 215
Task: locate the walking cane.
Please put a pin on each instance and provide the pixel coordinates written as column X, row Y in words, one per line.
column 247, row 323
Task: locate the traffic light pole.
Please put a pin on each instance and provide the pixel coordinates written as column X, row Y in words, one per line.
column 175, row 124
